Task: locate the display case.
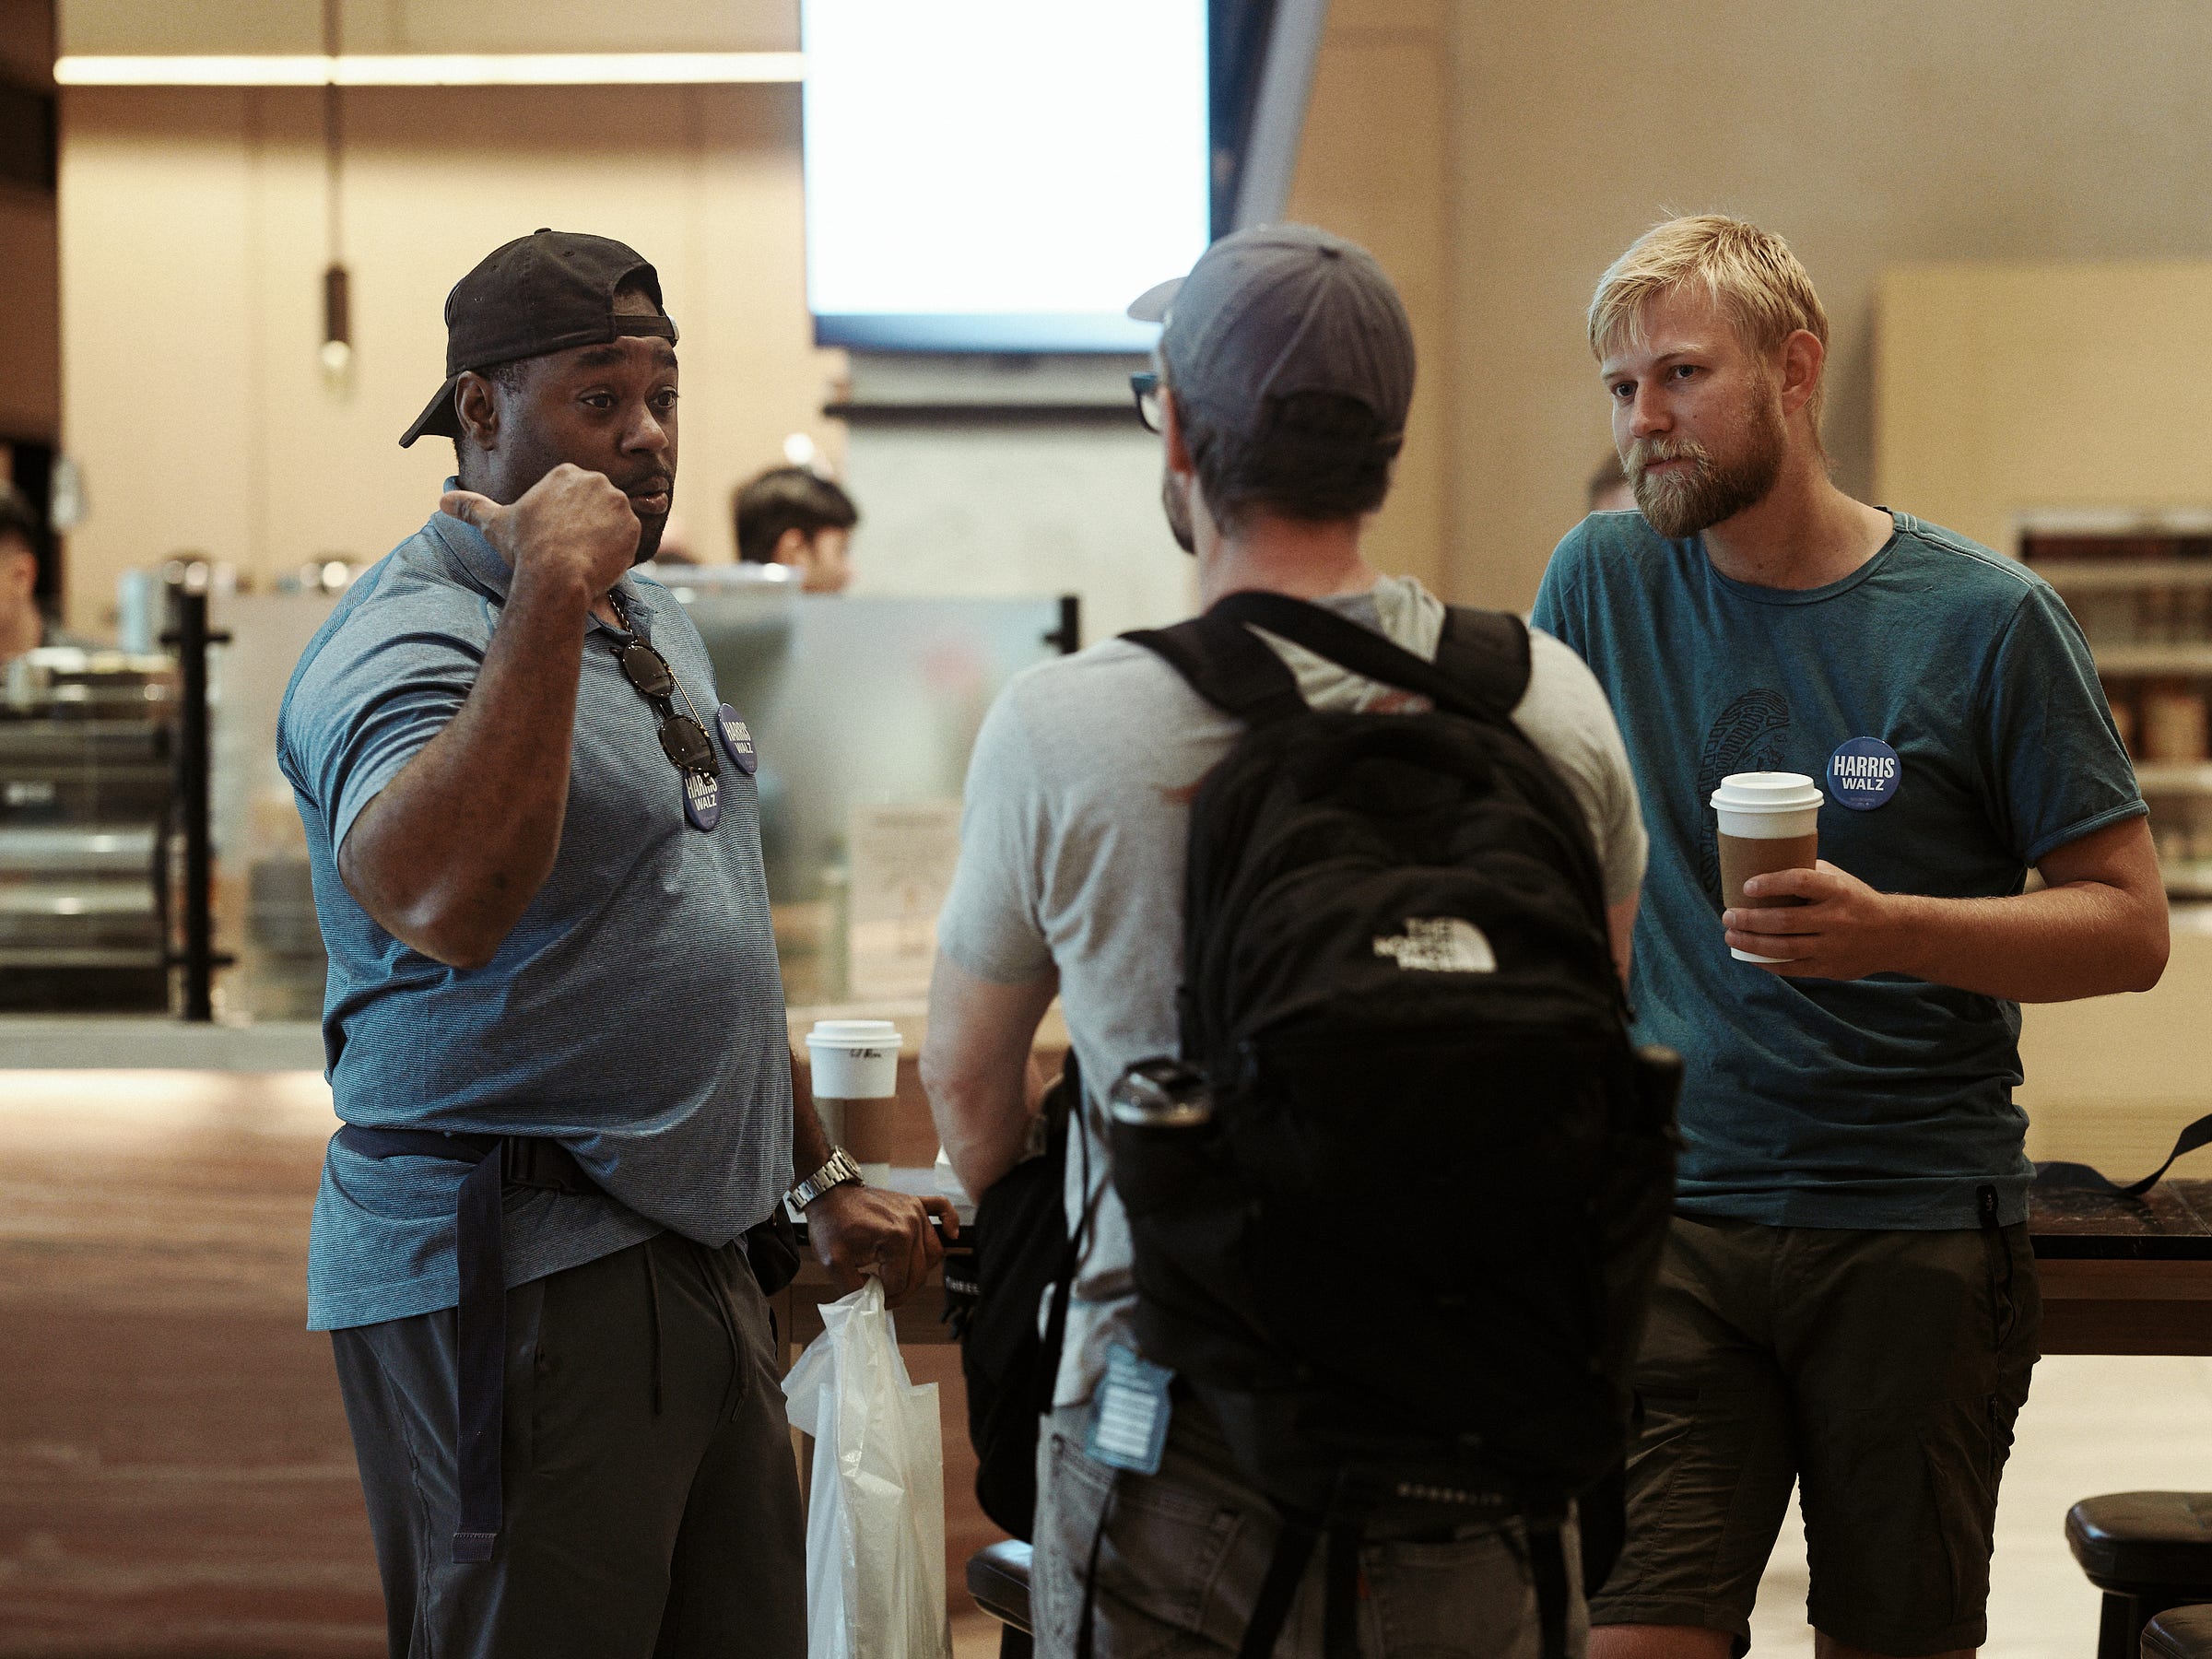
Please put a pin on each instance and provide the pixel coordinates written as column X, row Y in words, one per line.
column 864, row 710
column 85, row 785
column 2140, row 585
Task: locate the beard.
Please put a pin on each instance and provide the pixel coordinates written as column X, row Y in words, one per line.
column 1684, row 503
column 1176, row 504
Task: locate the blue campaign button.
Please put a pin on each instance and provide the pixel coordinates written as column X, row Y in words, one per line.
column 703, row 800
column 736, row 741
column 1864, row 773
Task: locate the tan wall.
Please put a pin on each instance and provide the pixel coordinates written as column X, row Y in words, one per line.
column 1372, row 167
column 1869, row 134
column 192, row 247
column 295, row 25
column 2112, row 1080
column 2007, row 388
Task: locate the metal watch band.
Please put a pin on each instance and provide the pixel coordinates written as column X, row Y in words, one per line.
column 839, row 1172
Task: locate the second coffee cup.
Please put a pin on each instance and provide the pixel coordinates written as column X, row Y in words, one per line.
column 855, row 1067
column 1769, row 821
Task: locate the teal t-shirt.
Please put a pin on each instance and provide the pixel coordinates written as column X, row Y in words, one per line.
column 1881, row 1103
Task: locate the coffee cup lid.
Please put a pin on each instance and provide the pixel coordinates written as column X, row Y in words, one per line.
column 854, row 1033
column 1767, row 792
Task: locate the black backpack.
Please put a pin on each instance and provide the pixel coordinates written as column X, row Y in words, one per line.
column 1023, row 1251
column 1402, row 1247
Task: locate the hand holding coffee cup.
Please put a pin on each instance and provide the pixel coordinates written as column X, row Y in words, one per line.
column 851, row 1061
column 854, row 1230
column 1769, row 821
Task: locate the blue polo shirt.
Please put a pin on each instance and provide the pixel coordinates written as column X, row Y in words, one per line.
column 1947, row 705
column 635, row 1012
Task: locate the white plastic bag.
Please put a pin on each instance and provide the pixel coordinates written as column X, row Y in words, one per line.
column 876, row 1514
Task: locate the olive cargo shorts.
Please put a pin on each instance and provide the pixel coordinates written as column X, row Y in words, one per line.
column 1880, row 1371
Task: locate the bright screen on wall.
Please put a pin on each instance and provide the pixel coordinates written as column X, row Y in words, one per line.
column 1000, row 175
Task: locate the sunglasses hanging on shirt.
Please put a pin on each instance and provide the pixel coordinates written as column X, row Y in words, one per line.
column 683, row 736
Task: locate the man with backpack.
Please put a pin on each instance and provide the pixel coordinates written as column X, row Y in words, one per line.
column 1848, row 1301
column 1286, row 372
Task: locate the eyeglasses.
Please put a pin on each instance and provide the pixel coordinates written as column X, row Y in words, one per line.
column 1145, row 385
column 683, row 736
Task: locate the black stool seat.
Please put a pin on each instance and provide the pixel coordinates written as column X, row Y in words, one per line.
column 2147, row 1552
column 2179, row 1633
column 2138, row 1541
column 998, row 1577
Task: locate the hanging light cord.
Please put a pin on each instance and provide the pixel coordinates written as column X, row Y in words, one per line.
column 337, row 305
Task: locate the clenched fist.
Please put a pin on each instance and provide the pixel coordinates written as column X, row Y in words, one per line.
column 572, row 526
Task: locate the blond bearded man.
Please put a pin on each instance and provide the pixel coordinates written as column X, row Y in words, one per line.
column 1847, row 1300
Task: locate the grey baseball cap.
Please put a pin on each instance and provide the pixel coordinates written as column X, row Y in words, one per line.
column 1280, row 309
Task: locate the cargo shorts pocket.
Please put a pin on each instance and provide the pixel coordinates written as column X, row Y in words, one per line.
column 1468, row 1599
column 1160, row 1558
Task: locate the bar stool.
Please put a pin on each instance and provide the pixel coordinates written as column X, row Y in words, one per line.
column 2147, row 1552
column 998, row 1577
column 2179, row 1633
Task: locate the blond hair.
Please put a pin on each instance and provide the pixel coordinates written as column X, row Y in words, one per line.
column 1749, row 274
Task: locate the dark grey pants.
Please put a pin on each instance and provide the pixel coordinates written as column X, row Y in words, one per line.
column 652, row 1501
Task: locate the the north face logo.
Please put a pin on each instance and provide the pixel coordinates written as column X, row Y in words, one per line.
column 1440, row 944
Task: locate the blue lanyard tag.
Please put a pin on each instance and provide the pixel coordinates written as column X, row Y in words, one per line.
column 736, row 741
column 1129, row 1413
column 703, row 800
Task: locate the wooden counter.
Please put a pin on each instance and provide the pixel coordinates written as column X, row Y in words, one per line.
column 2124, row 1276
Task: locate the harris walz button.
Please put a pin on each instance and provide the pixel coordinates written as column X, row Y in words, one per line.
column 1864, row 773
column 736, row 740
column 703, row 800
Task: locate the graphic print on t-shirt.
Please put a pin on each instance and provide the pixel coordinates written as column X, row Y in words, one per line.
column 1746, row 737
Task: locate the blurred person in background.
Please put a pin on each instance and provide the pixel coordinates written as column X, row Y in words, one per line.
column 24, row 626
column 793, row 517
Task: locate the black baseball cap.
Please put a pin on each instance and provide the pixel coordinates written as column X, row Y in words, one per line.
column 549, row 291
column 1276, row 309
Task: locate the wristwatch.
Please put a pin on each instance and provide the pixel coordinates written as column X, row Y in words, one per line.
column 840, row 1170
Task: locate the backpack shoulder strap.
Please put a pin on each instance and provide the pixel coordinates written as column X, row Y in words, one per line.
column 1228, row 666
column 1487, row 653
column 1466, row 686
column 1481, row 668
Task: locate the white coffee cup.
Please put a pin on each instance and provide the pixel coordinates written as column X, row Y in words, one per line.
column 854, row 1059
column 1758, row 812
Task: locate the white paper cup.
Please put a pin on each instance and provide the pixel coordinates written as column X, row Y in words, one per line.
column 854, row 1059
column 1767, row 806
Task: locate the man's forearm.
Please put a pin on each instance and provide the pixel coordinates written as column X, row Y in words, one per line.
column 975, row 1067
column 984, row 1125
column 452, row 851
column 2084, row 939
column 809, row 1141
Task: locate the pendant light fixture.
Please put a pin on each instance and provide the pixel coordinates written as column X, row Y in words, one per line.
column 337, row 301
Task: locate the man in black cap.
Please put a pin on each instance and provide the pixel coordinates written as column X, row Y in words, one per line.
column 1285, row 374
column 555, row 1028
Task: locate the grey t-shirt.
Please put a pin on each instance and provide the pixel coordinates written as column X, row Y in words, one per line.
column 634, row 1013
column 1072, row 854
